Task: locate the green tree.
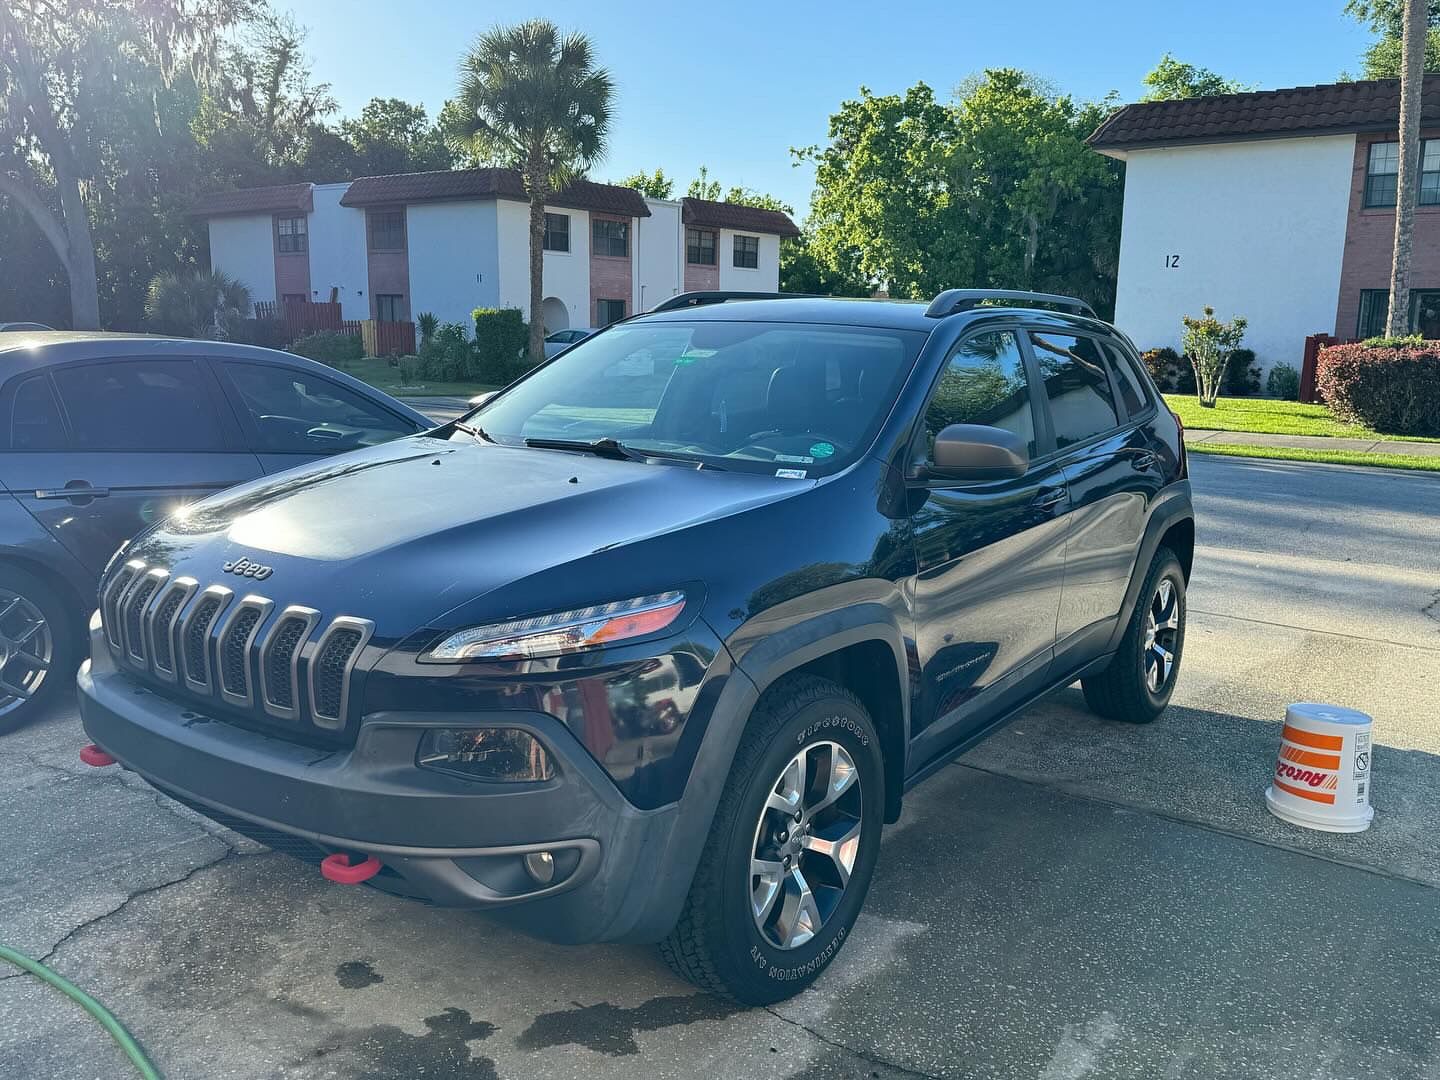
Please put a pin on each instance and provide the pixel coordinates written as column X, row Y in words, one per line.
column 1209, row 344
column 1385, row 58
column 537, row 100
column 63, row 69
column 202, row 305
column 702, row 187
column 1173, row 78
column 393, row 136
column 654, row 185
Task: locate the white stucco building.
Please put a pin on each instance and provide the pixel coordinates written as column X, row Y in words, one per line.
column 391, row 247
column 1278, row 205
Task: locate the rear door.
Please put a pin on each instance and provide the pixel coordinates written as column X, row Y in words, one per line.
column 990, row 556
column 290, row 415
column 1112, row 473
column 99, row 449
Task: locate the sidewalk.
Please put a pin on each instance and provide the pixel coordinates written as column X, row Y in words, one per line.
column 1311, row 442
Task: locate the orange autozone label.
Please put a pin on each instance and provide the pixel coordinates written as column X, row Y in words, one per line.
column 1312, row 784
column 1311, row 739
column 1309, row 764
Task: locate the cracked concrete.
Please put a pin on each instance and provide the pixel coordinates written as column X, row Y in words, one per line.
column 1072, row 899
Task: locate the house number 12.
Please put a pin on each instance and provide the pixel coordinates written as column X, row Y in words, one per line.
column 1172, row 262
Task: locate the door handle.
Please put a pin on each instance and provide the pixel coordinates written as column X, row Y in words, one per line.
column 1146, row 459
column 1048, row 500
column 75, row 489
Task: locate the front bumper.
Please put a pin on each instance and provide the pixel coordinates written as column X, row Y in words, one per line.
column 450, row 841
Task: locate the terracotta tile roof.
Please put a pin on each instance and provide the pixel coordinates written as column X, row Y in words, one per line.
column 722, row 215
column 255, row 201
column 462, row 184
column 1371, row 105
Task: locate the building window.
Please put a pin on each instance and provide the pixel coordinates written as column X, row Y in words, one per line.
column 557, row 232
column 390, row 307
column 290, row 235
column 747, row 251
column 700, row 247
column 608, row 311
column 1374, row 308
column 611, row 238
column 1430, row 173
column 1382, row 174
column 387, row 230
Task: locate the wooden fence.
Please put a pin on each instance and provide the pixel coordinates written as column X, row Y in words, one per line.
column 1313, row 344
column 301, row 317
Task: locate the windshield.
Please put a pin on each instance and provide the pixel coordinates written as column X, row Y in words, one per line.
column 789, row 399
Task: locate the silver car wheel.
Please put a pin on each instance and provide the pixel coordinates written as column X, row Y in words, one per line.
column 806, row 843
column 1162, row 635
column 27, row 650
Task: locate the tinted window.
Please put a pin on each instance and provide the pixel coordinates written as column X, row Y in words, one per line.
column 984, row 383
column 1132, row 384
column 35, row 418
column 296, row 412
column 1081, row 404
column 139, row 405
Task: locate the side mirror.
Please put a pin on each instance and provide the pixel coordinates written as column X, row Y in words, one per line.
column 975, row 452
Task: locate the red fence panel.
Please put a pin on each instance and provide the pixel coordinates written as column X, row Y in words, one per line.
column 1313, row 344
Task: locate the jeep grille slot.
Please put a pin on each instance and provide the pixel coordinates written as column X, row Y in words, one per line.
column 110, row 600
column 331, row 667
column 161, row 626
column 279, row 661
column 132, row 613
column 236, row 638
column 196, row 638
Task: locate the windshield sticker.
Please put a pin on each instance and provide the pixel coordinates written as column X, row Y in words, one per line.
column 791, row 474
column 797, row 458
column 822, row 449
column 689, row 356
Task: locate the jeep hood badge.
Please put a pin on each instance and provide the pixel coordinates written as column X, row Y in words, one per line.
column 246, row 568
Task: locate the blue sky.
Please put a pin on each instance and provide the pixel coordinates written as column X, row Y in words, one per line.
column 734, row 85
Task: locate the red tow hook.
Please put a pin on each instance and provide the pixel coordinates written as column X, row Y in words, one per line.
column 92, row 755
column 338, row 868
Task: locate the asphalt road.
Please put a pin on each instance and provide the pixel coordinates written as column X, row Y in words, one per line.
column 1072, row 899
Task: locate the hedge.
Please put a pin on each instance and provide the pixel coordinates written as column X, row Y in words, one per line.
column 1396, row 391
column 329, row 347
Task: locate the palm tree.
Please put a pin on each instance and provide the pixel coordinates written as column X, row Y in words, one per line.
column 204, row 304
column 1412, row 77
column 533, row 98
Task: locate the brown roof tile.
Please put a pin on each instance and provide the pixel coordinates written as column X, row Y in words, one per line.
column 723, row 215
column 1370, row 105
column 255, row 201
column 461, row 184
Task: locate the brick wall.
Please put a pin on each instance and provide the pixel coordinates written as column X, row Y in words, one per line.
column 1370, row 242
column 611, row 277
column 292, row 269
column 389, row 271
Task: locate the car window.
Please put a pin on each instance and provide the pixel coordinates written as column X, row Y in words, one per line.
column 983, row 383
column 139, row 405
column 1132, row 386
column 35, row 422
column 1077, row 384
column 296, row 412
column 795, row 398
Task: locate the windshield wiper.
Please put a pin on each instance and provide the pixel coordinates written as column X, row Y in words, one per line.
column 613, row 448
column 479, row 433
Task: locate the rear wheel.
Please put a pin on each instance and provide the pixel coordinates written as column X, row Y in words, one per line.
column 791, row 851
column 1137, row 684
column 37, row 646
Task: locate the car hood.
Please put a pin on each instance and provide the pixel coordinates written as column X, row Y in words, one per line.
column 416, row 527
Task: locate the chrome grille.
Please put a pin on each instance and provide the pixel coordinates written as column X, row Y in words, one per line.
column 215, row 645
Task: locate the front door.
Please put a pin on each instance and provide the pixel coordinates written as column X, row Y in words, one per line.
column 101, row 449
column 990, row 556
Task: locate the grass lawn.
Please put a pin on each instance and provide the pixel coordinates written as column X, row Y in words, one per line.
column 378, row 372
column 1272, row 418
column 1331, row 457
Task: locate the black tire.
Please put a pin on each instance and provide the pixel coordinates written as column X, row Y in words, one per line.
column 718, row 944
column 23, row 597
column 1123, row 691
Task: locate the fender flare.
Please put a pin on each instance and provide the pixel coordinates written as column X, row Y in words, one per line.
column 1171, row 506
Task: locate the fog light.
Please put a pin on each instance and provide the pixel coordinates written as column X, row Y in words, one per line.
column 540, row 865
column 505, row 754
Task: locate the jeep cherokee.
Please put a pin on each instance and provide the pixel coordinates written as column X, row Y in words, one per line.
column 649, row 645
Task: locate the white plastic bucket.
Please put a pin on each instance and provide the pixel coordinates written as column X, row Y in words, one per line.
column 1322, row 774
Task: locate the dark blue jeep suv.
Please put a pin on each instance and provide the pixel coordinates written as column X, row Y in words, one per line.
column 649, row 646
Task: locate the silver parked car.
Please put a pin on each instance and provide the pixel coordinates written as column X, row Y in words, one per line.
column 563, row 339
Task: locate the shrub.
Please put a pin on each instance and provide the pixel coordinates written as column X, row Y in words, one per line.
column 1209, row 344
column 1242, row 374
column 447, row 355
column 409, row 370
column 208, row 304
column 329, row 347
column 500, row 335
column 267, row 332
column 1394, row 390
column 1172, row 372
column 1382, row 342
column 1283, row 382
column 427, row 322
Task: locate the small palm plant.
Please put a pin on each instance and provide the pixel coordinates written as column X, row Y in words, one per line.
column 207, row 304
column 427, row 322
column 1209, row 344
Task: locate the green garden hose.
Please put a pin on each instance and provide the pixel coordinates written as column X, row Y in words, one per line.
column 106, row 1019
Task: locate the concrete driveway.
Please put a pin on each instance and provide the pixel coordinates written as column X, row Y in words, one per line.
column 1072, row 899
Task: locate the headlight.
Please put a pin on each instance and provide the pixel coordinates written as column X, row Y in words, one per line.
column 485, row 754
column 560, row 633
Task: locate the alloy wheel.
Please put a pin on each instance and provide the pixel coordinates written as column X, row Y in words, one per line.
column 27, row 650
column 1162, row 635
column 806, row 843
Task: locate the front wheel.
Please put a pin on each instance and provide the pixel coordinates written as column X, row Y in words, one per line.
column 1137, row 684
column 791, row 851
column 36, row 647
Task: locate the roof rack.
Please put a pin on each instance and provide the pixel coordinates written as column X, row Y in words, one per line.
column 954, row 301
column 699, row 299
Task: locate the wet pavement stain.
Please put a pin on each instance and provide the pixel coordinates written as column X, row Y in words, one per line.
column 357, row 974
column 611, row 1029
column 388, row 1052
